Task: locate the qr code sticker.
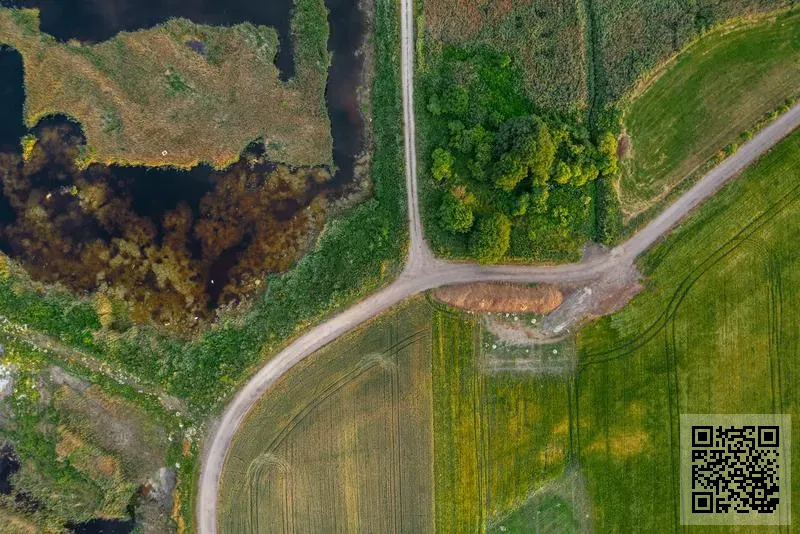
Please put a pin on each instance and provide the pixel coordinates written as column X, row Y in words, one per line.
column 735, row 469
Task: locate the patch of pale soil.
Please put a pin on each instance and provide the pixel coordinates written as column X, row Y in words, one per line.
column 501, row 297
column 624, row 146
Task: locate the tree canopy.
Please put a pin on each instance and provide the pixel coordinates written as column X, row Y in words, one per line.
column 525, row 176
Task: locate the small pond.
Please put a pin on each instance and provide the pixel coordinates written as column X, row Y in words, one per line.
column 180, row 212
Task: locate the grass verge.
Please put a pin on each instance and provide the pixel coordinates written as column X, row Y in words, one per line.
column 702, row 102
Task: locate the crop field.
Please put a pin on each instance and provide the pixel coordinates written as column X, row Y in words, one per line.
column 631, row 37
column 344, row 442
column 545, row 38
column 497, row 437
column 398, row 428
column 150, row 88
column 715, row 333
column 714, row 91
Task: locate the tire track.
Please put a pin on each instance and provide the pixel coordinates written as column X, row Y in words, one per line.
column 642, row 338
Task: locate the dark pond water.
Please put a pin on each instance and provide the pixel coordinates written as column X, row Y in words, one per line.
column 155, row 191
column 12, row 98
column 103, row 526
column 98, row 20
column 9, row 464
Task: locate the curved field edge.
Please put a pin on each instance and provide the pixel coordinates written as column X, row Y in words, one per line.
column 713, row 333
column 695, row 110
column 142, row 97
column 358, row 251
column 355, row 449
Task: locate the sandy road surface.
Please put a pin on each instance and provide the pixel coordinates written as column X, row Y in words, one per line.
column 423, row 271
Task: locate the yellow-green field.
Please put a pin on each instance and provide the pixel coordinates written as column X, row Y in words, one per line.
column 398, row 428
column 715, row 333
column 701, row 103
column 498, row 437
column 344, row 441
column 146, row 97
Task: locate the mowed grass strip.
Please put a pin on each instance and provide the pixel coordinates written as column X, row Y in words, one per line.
column 715, row 333
column 343, row 441
column 148, row 97
column 711, row 93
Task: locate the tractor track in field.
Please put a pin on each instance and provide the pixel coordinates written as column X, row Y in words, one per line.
column 423, row 271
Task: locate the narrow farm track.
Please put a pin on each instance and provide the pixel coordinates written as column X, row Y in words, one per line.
column 423, row 271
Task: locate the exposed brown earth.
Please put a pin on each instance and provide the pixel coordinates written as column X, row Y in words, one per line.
column 499, row 297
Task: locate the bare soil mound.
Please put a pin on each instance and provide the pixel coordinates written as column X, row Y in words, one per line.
column 499, row 297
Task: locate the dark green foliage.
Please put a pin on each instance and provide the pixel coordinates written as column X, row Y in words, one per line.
column 456, row 212
column 527, row 150
column 609, row 213
column 57, row 314
column 491, row 239
column 534, row 169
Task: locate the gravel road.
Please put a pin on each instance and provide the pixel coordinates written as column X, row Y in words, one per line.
column 423, row 271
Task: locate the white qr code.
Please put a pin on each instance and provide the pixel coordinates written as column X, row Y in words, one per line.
column 735, row 469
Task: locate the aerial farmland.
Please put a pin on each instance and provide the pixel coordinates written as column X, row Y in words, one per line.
column 384, row 266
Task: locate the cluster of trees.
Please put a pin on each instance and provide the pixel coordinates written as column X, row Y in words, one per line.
column 523, row 174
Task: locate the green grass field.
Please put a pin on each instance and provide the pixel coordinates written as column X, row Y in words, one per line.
column 714, row 91
column 631, row 37
column 716, row 332
column 343, row 441
column 497, row 437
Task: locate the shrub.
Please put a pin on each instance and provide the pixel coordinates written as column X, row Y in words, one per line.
column 491, row 239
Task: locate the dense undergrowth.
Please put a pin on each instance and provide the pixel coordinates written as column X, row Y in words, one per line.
column 507, row 180
column 355, row 254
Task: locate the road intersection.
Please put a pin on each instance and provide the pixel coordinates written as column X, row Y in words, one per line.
column 424, row 271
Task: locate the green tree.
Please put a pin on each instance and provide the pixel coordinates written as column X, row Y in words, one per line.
column 562, row 173
column 528, row 141
column 607, row 154
column 455, row 213
column 509, row 172
column 491, row 239
column 442, row 167
column 455, row 100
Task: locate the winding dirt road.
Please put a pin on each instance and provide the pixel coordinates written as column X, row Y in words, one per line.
column 423, row 271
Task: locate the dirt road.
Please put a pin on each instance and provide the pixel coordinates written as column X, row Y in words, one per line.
column 423, row 271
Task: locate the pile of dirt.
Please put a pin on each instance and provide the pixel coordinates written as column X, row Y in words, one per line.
column 500, row 297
